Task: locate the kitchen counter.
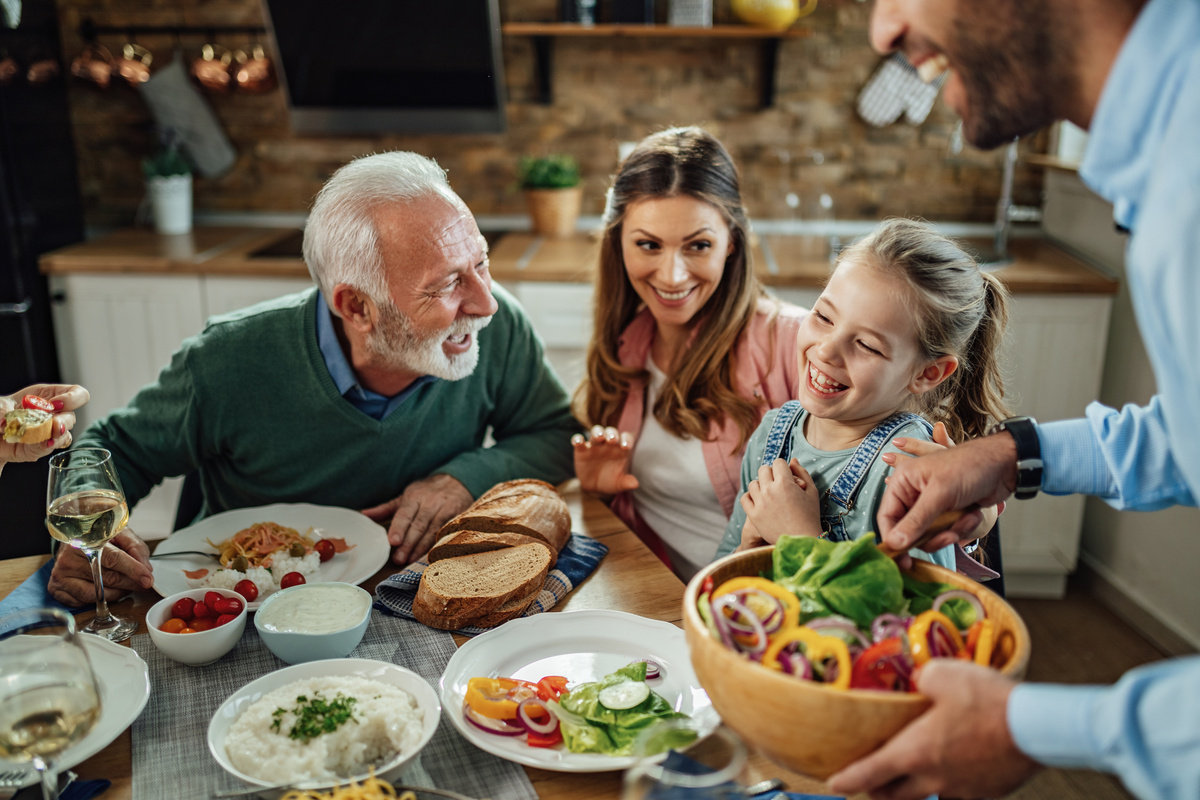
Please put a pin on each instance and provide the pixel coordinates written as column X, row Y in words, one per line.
column 1040, row 267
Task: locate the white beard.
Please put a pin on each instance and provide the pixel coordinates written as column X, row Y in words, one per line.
column 398, row 345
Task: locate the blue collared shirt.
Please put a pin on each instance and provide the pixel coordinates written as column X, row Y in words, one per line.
column 373, row 404
column 1143, row 156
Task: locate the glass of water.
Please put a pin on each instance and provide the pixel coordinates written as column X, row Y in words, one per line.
column 711, row 770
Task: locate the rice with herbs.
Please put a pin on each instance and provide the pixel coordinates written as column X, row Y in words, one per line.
column 281, row 737
column 267, row 580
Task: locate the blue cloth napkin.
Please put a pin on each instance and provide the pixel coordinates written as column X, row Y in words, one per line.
column 32, row 594
column 77, row 790
column 576, row 561
column 678, row 762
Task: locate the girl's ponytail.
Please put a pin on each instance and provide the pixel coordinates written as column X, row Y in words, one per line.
column 978, row 402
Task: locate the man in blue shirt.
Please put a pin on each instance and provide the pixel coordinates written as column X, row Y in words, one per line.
column 1129, row 71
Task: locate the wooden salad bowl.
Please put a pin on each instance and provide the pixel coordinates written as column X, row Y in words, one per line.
column 804, row 726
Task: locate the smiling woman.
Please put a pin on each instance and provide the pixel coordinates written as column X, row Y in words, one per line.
column 688, row 351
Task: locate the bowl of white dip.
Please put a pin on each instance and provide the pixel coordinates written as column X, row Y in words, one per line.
column 313, row 621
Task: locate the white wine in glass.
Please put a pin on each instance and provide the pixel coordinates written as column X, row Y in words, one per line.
column 48, row 694
column 85, row 508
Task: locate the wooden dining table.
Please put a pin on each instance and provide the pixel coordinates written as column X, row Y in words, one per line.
column 630, row 579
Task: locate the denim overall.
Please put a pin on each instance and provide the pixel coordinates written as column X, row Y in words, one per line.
column 846, row 486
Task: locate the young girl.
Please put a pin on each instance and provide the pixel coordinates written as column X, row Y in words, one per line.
column 905, row 333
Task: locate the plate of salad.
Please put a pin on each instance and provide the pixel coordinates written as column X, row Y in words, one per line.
column 570, row 691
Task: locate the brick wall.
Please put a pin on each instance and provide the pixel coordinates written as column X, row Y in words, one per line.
column 606, row 91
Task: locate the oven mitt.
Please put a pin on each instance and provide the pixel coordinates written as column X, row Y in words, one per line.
column 897, row 89
column 177, row 104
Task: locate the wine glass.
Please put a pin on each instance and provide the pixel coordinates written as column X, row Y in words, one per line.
column 709, row 771
column 85, row 507
column 48, row 694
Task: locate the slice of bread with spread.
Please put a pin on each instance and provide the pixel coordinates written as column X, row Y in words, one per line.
column 491, row 561
column 528, row 507
column 458, row 591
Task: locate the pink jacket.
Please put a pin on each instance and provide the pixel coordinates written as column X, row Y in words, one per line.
column 766, row 369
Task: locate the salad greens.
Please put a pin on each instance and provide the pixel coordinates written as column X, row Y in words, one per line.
column 855, row 580
column 590, row 727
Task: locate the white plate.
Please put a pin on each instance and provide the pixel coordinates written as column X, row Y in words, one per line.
column 369, row 554
column 382, row 671
column 583, row 646
column 124, row 681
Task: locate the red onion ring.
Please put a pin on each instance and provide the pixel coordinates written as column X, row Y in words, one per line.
column 653, row 670
column 836, row 623
column 731, row 602
column 886, row 626
column 499, row 727
column 532, row 724
column 960, row 594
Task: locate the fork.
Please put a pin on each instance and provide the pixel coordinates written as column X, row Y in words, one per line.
column 185, row 553
column 11, row 781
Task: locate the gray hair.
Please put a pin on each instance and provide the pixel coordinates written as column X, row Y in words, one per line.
column 341, row 243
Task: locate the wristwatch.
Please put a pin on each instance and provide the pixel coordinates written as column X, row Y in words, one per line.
column 1029, row 454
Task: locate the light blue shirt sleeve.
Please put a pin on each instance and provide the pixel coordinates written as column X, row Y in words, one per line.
column 1124, row 457
column 1145, row 728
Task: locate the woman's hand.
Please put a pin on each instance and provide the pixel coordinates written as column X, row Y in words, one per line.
column 602, row 461
column 783, row 499
column 65, row 398
column 974, row 523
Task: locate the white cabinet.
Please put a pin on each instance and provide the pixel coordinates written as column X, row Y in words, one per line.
column 116, row 332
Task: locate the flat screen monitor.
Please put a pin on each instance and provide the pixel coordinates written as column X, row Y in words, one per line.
column 390, row 66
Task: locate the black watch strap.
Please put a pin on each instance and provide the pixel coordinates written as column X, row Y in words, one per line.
column 1029, row 454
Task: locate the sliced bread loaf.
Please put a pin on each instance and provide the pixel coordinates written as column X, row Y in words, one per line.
column 506, row 611
column 471, row 586
column 465, row 543
column 528, row 507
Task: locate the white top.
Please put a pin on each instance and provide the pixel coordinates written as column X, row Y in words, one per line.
column 676, row 496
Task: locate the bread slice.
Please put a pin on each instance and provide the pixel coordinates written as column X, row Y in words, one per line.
column 472, row 586
column 465, row 543
column 27, row 426
column 528, row 507
column 507, row 610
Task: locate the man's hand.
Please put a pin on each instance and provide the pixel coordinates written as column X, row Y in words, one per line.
column 124, row 563
column 979, row 472
column 415, row 517
column 960, row 747
column 782, row 499
column 65, row 398
column 602, row 461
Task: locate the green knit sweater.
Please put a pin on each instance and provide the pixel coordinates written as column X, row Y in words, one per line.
column 250, row 405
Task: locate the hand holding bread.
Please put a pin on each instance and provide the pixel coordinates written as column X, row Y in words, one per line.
column 491, row 560
column 38, row 419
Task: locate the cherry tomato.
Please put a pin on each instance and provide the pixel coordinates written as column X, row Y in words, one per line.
column 212, row 599
column 225, row 619
column 544, row 739
column 37, row 403
column 201, row 611
column 551, row 687
column 188, row 630
column 173, row 625
column 204, row 624
column 183, row 609
column 229, row 605
column 874, row 668
column 325, row 549
column 247, row 589
column 291, row 579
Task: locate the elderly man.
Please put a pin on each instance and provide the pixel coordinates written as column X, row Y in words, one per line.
column 373, row 391
column 1129, row 71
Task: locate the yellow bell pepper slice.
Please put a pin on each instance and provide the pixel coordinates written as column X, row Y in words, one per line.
column 982, row 636
column 791, row 603
column 493, row 697
column 918, row 635
column 817, row 648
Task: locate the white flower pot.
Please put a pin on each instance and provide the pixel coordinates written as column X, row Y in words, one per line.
column 171, row 203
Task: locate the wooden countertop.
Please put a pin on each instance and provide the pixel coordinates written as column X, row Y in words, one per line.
column 629, row 579
column 1039, row 266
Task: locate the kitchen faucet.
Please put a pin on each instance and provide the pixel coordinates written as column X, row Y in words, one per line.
column 1007, row 213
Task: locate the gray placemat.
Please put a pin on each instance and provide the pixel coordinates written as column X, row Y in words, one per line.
column 170, row 737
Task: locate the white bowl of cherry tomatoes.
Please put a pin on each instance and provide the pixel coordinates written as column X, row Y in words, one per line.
column 198, row 626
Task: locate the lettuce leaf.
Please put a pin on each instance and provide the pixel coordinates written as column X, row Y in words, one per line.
column 590, row 727
column 921, row 595
column 853, row 579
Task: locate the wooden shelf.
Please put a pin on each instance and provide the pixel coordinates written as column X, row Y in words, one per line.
column 544, row 34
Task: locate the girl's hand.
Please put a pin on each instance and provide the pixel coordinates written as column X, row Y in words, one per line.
column 973, row 523
column 750, row 538
column 602, row 461
column 783, row 499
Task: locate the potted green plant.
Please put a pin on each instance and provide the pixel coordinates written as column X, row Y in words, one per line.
column 553, row 192
column 168, row 176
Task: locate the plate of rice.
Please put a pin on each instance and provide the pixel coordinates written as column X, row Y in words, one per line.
column 325, row 722
column 363, row 543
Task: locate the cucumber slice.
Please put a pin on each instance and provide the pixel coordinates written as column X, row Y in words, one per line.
column 626, row 694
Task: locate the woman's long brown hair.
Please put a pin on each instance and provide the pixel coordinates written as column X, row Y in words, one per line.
column 699, row 390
